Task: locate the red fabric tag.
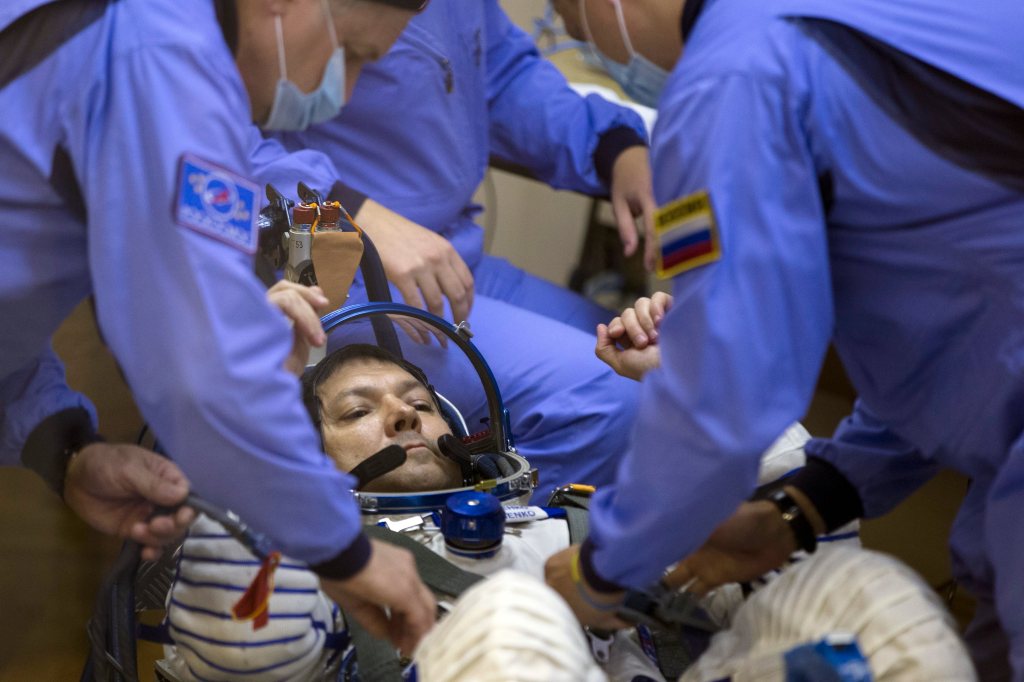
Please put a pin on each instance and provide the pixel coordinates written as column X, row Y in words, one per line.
column 254, row 605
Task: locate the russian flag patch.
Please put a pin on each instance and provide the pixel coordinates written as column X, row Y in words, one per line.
column 687, row 235
column 217, row 203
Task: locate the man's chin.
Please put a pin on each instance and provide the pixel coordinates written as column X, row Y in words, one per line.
column 418, row 474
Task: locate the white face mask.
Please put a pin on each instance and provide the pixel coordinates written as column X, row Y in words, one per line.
column 640, row 78
column 296, row 110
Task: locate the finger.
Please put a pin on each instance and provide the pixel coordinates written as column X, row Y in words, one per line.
column 615, row 328
column 373, row 618
column 410, row 292
column 699, row 588
column 302, row 316
column 313, row 295
column 650, row 239
column 415, row 620
column 660, row 304
column 154, row 478
column 606, row 343
column 157, row 532
column 152, row 553
column 645, row 318
column 634, row 331
column 626, row 224
column 432, row 295
column 466, row 277
column 605, row 349
column 455, row 291
column 414, row 332
column 679, row 576
column 442, row 340
column 184, row 517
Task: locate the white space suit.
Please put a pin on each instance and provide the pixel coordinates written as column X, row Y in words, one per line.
column 306, row 637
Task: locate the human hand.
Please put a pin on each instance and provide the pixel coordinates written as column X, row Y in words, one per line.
column 387, row 597
column 115, row 488
column 632, row 194
column 563, row 574
column 628, row 344
column 424, row 266
column 302, row 306
column 753, row 541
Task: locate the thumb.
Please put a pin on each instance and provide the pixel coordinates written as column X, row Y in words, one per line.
column 605, row 349
column 626, row 224
column 155, row 478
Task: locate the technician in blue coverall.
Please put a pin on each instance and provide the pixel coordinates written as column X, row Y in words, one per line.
column 462, row 84
column 849, row 171
column 122, row 183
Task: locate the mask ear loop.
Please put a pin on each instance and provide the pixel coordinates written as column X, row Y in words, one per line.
column 586, row 25
column 330, row 25
column 623, row 31
column 279, row 31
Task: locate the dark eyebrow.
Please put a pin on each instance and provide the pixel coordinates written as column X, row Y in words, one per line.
column 372, row 390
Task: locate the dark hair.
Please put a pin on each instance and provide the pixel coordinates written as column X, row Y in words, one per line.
column 331, row 364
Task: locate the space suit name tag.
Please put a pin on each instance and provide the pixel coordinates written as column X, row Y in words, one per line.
column 687, row 234
column 217, row 203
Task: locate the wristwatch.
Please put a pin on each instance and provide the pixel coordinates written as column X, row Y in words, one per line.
column 795, row 518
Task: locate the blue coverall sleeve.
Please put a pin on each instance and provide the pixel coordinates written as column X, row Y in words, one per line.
column 883, row 467
column 536, row 119
column 201, row 347
column 272, row 163
column 743, row 343
column 31, row 395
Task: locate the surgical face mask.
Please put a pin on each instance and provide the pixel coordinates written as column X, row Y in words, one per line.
column 640, row 78
column 296, row 110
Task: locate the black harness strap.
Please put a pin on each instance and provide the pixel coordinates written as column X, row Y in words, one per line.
column 376, row 658
column 33, row 37
column 971, row 127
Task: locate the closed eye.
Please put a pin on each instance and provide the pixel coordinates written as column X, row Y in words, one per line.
column 354, row 414
column 423, row 406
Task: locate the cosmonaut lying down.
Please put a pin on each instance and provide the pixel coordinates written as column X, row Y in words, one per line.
column 364, row 399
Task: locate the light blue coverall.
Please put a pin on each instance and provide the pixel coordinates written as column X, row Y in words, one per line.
column 91, row 144
column 914, row 268
column 461, row 84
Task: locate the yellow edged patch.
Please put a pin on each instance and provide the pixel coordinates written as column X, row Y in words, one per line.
column 687, row 235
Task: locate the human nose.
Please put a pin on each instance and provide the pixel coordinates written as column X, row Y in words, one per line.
column 401, row 416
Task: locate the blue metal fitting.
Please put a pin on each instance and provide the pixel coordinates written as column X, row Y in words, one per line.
column 473, row 524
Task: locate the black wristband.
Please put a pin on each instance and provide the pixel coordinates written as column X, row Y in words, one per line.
column 795, row 518
column 612, row 143
column 53, row 441
column 831, row 493
column 350, row 198
column 347, row 562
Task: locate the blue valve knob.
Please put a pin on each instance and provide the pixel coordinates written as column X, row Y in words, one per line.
column 473, row 524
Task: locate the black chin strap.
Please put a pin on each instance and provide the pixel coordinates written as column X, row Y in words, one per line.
column 455, row 450
column 378, row 464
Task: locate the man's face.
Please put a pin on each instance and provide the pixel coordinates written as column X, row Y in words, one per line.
column 369, row 404
column 366, row 31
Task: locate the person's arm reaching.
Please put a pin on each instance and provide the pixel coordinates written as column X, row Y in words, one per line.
column 586, row 144
column 180, row 308
column 876, row 464
column 741, row 346
column 36, row 393
column 114, row 487
column 424, row 266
